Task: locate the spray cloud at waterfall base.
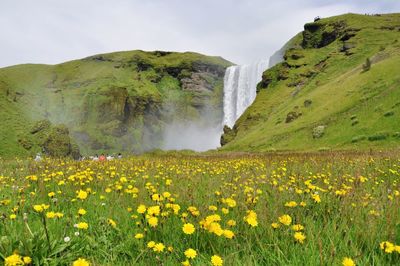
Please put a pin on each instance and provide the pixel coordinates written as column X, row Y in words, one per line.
column 240, row 83
column 192, row 136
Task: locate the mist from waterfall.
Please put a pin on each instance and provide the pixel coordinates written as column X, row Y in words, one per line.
column 240, row 84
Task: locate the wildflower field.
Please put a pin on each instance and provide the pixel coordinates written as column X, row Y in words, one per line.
column 304, row 209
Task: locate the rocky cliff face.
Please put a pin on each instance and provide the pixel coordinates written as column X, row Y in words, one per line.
column 117, row 102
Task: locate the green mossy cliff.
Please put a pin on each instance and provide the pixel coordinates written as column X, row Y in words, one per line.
column 106, row 103
column 324, row 95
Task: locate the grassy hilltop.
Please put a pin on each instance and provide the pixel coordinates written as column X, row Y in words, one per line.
column 109, row 102
column 324, row 95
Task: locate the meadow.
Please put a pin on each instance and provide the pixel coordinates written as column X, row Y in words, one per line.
column 281, row 209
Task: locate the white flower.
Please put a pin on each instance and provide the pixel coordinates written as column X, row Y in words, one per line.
column 103, row 204
column 67, row 238
column 76, row 233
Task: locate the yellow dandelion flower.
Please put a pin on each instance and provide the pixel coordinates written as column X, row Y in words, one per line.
column 228, row 234
column 81, row 194
column 297, row 227
column 82, row 225
column 139, row 236
column 50, row 215
column 13, row 260
column 348, row 262
column 112, row 223
column 151, row 244
column 188, row 228
column 27, row 260
column 81, row 262
column 81, row 211
column 216, row 260
column 185, row 263
column 190, row 253
column 387, row 246
column 285, row 219
column 275, row 225
column 153, row 221
column 300, row 237
column 141, row 209
column 159, row 247
column 231, row 223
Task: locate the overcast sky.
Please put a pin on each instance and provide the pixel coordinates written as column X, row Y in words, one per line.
column 242, row 31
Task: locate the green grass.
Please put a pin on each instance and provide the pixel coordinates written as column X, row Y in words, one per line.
column 91, row 96
column 359, row 193
column 338, row 89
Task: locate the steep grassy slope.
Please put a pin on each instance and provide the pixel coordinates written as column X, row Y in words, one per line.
column 322, row 96
column 110, row 102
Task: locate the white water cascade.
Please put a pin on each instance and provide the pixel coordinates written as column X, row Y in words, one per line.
column 240, row 84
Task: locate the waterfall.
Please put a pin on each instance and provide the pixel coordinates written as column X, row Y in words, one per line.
column 240, row 83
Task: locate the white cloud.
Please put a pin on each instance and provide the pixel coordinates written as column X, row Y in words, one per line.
column 46, row 31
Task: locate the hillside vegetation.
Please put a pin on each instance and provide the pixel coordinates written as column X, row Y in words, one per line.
column 337, row 88
column 110, row 102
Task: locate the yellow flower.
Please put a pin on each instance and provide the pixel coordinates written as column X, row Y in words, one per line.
column 151, row 244
column 81, row 211
column 82, row 194
column 41, row 207
column 51, row 194
column 190, row 253
column 27, row 260
column 297, row 227
column 285, row 219
column 139, row 236
column 153, row 210
column 82, row 225
column 229, row 234
column 348, row 262
column 153, row 221
column 80, row 262
column 141, row 209
column 185, row 263
column 212, row 208
column 387, row 246
column 188, row 228
column 112, row 223
column 50, row 215
column 231, row 223
column 300, row 237
column 275, row 225
column 216, row 260
column 230, row 202
column 397, row 248
column 291, row 204
column 251, row 218
column 13, row 216
column 13, row 260
column 316, row 198
column 159, row 247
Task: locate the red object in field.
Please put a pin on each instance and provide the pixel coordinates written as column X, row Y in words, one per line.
column 102, row 158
